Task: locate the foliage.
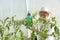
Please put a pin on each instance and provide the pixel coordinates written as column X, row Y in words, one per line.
column 45, row 28
column 8, row 22
column 32, row 36
column 5, row 28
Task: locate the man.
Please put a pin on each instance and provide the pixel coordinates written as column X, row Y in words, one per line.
column 45, row 14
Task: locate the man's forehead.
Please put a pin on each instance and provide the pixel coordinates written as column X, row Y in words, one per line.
column 43, row 12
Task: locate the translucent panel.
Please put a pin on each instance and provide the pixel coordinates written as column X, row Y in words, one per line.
column 10, row 8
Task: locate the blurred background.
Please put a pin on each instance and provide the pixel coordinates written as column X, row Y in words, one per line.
column 10, row 8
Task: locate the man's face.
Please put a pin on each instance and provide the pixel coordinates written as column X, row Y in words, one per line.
column 44, row 14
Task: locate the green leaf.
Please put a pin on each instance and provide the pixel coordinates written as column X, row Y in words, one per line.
column 6, row 19
column 33, row 36
column 33, row 15
column 56, row 30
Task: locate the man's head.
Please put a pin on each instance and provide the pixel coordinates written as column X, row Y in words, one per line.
column 44, row 13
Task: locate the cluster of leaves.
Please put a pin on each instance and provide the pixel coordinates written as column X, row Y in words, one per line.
column 33, row 35
column 45, row 28
column 56, row 29
column 6, row 24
